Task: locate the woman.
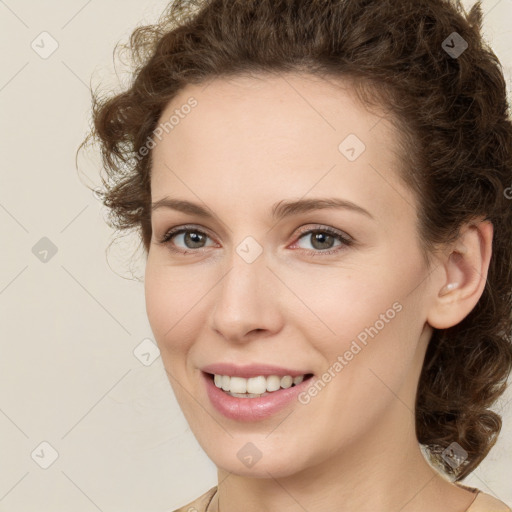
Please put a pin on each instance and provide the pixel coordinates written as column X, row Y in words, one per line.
column 322, row 192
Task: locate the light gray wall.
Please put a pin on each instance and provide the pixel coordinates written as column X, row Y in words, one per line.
column 69, row 376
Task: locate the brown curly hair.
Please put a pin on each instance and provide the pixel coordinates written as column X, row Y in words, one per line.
column 453, row 121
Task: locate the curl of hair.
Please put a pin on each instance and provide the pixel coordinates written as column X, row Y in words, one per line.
column 455, row 132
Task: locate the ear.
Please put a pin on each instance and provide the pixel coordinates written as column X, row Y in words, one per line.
column 462, row 275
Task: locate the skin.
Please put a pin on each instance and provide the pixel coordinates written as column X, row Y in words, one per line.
column 249, row 143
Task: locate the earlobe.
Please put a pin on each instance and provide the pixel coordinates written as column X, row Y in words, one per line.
column 464, row 274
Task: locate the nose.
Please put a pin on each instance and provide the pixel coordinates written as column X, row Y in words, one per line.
column 246, row 301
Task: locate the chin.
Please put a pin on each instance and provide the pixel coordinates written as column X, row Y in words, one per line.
column 257, row 459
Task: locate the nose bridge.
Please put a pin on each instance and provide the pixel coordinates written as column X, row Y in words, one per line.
column 244, row 300
column 243, row 284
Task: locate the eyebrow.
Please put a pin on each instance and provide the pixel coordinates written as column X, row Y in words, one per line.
column 280, row 210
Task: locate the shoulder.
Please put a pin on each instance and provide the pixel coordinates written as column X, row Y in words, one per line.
column 199, row 504
column 486, row 503
column 483, row 502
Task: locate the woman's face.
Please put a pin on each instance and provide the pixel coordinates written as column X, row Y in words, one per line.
column 254, row 288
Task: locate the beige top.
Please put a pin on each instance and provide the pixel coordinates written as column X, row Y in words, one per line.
column 483, row 502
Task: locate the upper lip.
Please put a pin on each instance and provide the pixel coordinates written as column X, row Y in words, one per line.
column 250, row 370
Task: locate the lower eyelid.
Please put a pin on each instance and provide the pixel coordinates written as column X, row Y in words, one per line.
column 169, row 236
column 344, row 240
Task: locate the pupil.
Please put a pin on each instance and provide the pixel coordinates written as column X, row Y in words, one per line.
column 189, row 237
column 318, row 238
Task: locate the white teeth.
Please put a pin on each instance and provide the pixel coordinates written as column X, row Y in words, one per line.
column 255, row 386
column 273, row 383
column 286, row 381
column 298, row 380
column 238, row 385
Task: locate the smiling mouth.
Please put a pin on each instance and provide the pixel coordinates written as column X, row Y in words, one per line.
column 305, row 377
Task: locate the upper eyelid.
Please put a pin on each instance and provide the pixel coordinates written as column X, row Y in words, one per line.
column 303, row 230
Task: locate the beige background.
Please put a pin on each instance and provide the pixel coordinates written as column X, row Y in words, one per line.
column 70, row 325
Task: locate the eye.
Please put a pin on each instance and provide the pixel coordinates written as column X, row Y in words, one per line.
column 193, row 239
column 321, row 239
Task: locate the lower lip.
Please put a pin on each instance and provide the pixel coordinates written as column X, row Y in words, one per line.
column 252, row 409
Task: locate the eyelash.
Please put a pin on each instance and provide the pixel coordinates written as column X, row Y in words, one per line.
column 345, row 241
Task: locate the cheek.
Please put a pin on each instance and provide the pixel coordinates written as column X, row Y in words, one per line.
column 377, row 351
column 166, row 305
column 338, row 303
column 367, row 314
column 155, row 300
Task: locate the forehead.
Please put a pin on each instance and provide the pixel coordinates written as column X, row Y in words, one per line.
column 286, row 106
column 275, row 136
